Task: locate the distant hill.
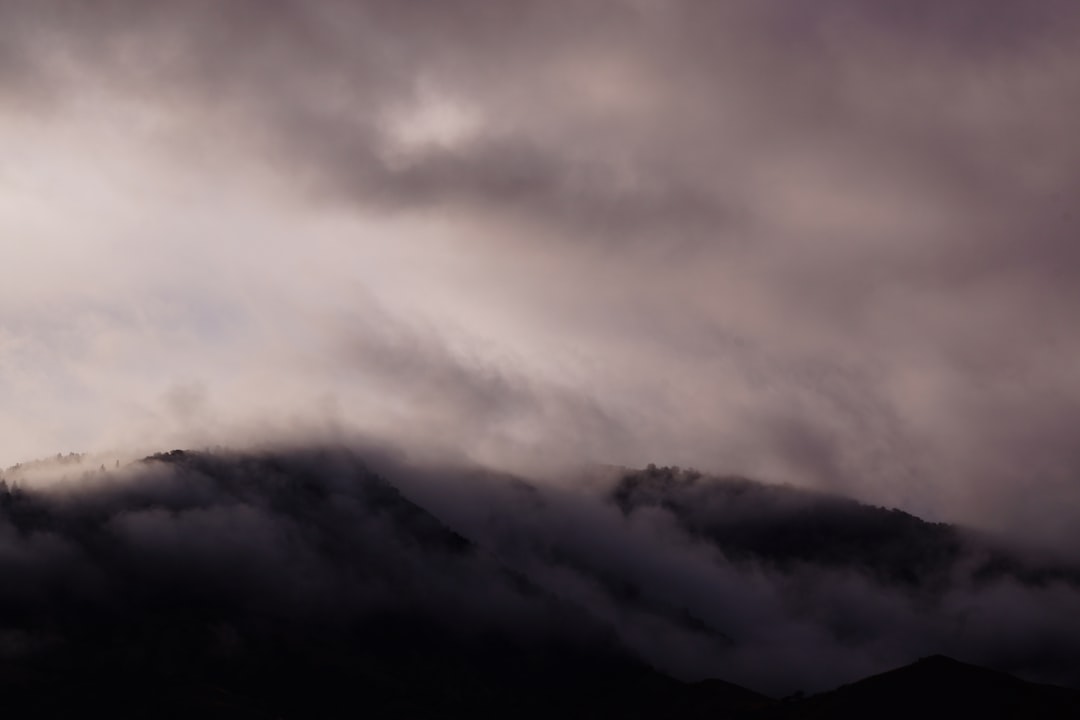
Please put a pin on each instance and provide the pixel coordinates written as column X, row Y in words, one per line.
column 303, row 584
column 786, row 527
column 295, row 584
column 939, row 687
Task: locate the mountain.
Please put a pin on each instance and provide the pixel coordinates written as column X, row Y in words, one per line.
column 786, row 527
column 939, row 687
column 296, row 584
column 304, row 583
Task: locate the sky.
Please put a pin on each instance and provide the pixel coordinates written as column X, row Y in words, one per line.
column 831, row 244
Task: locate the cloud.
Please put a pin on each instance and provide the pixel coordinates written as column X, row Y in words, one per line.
column 828, row 245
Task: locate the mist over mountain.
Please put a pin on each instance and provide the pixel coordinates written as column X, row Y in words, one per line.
column 788, row 527
column 450, row 275
column 282, row 578
column 295, row 578
column 831, row 245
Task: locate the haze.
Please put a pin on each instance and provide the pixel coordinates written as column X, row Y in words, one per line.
column 831, row 244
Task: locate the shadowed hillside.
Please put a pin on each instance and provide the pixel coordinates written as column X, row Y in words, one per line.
column 786, row 527
column 299, row 583
column 304, row 584
column 939, row 687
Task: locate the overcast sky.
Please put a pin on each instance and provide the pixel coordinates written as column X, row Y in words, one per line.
column 829, row 243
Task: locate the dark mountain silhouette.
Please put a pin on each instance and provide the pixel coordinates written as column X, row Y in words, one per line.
column 296, row 584
column 939, row 687
column 304, row 584
column 787, row 527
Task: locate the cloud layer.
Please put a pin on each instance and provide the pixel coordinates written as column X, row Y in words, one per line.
column 831, row 245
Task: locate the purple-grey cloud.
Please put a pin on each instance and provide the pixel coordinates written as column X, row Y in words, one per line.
column 828, row 244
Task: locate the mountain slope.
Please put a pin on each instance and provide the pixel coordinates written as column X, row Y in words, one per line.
column 300, row 580
column 786, row 527
column 940, row 687
column 302, row 583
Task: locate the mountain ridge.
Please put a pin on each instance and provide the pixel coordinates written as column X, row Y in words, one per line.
column 272, row 582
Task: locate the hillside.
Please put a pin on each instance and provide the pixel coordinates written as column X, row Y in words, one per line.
column 304, row 583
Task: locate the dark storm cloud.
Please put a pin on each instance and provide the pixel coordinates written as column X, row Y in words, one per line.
column 316, row 82
column 830, row 243
column 312, row 86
